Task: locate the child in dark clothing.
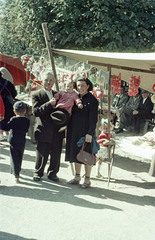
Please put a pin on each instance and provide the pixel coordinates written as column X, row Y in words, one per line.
column 18, row 126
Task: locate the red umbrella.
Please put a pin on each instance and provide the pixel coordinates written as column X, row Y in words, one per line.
column 15, row 67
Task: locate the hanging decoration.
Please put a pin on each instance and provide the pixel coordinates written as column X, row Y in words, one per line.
column 64, row 77
column 98, row 93
column 72, row 76
column 100, row 80
column 42, row 60
column 153, row 98
column 36, row 85
column 24, row 60
column 84, row 75
column 106, row 74
column 116, row 84
column 93, row 78
column 30, row 63
column 134, row 83
column 153, row 87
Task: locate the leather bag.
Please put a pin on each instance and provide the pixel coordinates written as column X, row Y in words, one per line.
column 85, row 157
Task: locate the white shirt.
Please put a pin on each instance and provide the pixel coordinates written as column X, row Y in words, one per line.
column 144, row 99
column 49, row 94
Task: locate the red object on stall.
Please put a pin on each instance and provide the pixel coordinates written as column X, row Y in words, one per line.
column 116, row 84
column 98, row 93
column 16, row 69
column 153, row 87
column 134, row 83
column 36, row 85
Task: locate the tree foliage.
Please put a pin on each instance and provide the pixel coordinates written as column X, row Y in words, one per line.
column 104, row 25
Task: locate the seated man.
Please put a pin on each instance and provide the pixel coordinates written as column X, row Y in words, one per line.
column 144, row 111
column 127, row 110
column 119, row 101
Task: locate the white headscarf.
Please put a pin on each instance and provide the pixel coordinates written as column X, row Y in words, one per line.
column 6, row 74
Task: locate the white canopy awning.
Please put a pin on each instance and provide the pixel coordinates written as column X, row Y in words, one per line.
column 128, row 64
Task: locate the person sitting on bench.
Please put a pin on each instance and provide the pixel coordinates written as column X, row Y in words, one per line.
column 127, row 110
column 119, row 101
column 144, row 111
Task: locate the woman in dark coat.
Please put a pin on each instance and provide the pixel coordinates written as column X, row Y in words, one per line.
column 82, row 124
column 8, row 93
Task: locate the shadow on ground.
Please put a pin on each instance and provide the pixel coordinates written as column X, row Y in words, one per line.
column 9, row 236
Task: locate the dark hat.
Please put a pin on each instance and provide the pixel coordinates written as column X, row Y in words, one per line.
column 144, row 91
column 19, row 105
column 60, row 117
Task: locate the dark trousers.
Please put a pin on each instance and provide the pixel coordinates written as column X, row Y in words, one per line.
column 16, row 156
column 137, row 120
column 43, row 151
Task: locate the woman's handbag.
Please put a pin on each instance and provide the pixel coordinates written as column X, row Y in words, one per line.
column 85, row 157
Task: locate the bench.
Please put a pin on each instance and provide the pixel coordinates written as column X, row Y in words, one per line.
column 146, row 124
column 143, row 126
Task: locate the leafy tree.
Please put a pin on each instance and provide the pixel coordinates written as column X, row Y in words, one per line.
column 104, row 25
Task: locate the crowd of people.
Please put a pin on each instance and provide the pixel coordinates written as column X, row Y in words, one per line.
column 49, row 109
column 131, row 110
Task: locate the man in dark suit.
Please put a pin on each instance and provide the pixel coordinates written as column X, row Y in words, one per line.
column 118, row 103
column 49, row 140
column 144, row 111
column 127, row 110
column 121, row 99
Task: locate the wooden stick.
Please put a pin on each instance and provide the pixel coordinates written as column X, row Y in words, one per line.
column 109, row 102
column 48, row 44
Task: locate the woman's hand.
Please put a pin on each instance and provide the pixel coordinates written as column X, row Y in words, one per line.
column 88, row 138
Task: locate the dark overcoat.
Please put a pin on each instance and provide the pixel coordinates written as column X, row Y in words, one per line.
column 8, row 94
column 44, row 128
column 83, row 121
column 146, row 108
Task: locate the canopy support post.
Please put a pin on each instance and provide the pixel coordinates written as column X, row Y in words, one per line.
column 109, row 110
column 48, row 44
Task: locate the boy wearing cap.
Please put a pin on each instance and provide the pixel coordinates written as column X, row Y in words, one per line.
column 18, row 126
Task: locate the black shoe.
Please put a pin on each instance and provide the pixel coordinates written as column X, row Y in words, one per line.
column 36, row 178
column 53, row 178
column 120, row 130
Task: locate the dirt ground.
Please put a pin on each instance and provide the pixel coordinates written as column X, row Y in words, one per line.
column 46, row 210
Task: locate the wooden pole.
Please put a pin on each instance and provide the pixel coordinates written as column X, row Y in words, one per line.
column 109, row 100
column 48, row 45
column 109, row 110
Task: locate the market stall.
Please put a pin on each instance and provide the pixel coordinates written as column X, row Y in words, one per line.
column 16, row 69
column 128, row 64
